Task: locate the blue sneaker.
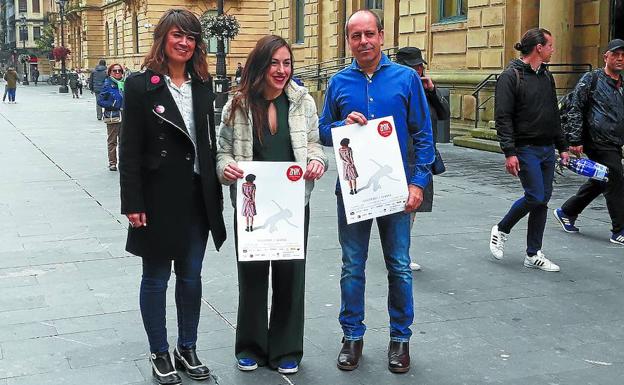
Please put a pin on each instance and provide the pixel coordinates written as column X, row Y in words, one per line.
column 566, row 222
column 247, row 364
column 618, row 238
column 288, row 367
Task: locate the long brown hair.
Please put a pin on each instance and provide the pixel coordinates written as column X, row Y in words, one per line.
column 250, row 96
column 187, row 23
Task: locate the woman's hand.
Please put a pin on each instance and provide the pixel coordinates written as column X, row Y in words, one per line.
column 137, row 219
column 232, row 172
column 315, row 170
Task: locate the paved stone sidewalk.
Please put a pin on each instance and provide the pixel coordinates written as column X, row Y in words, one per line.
column 69, row 292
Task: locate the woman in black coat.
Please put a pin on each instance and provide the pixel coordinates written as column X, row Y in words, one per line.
column 169, row 187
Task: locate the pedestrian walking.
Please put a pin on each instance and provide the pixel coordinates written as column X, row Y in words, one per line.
column 35, row 75
column 81, row 80
column 595, row 126
column 96, row 81
column 11, row 78
column 438, row 110
column 169, row 187
column 111, row 100
column 529, row 130
column 239, row 73
column 73, row 83
column 390, row 89
column 285, row 129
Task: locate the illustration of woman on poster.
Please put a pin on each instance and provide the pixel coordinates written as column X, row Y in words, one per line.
column 348, row 166
column 249, row 200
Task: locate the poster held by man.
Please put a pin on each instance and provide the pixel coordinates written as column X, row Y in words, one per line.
column 370, row 169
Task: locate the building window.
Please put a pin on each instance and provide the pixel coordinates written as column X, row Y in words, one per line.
column 36, row 8
column 36, row 33
column 115, row 41
column 374, row 4
column 23, row 6
column 299, row 21
column 107, row 38
column 135, row 33
column 212, row 42
column 451, row 10
column 24, row 34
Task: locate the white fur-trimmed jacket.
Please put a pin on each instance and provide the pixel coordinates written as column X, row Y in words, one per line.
column 236, row 141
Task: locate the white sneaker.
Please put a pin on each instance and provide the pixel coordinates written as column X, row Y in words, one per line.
column 414, row 266
column 540, row 261
column 497, row 242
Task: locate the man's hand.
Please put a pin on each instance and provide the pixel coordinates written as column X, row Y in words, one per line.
column 314, row 170
column 512, row 165
column 137, row 219
column 565, row 157
column 577, row 150
column 414, row 199
column 356, row 117
column 427, row 83
column 232, row 172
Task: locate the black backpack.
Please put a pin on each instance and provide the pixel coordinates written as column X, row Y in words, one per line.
column 566, row 102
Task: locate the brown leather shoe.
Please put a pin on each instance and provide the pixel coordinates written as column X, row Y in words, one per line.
column 398, row 357
column 350, row 354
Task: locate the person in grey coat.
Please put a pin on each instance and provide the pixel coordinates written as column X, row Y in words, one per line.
column 96, row 82
column 438, row 110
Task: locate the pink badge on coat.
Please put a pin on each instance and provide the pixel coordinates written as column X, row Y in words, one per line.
column 160, row 109
column 155, row 79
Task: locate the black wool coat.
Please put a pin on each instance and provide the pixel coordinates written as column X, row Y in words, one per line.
column 156, row 161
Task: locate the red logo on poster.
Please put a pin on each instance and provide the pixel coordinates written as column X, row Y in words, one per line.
column 384, row 128
column 294, row 173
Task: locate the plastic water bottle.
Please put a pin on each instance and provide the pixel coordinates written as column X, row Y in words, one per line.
column 589, row 168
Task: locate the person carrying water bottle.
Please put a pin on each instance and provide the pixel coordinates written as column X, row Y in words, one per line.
column 596, row 127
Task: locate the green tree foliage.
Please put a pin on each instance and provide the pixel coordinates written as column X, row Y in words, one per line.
column 46, row 41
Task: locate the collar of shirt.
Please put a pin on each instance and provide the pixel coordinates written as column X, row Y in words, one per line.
column 171, row 84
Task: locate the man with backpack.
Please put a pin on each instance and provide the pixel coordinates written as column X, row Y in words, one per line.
column 528, row 128
column 594, row 124
column 96, row 82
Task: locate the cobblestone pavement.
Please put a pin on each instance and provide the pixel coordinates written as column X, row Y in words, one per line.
column 69, row 304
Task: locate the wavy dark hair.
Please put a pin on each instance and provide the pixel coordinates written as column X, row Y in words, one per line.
column 187, row 23
column 250, row 96
column 531, row 39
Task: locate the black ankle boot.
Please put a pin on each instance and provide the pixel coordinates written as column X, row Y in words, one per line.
column 163, row 370
column 186, row 360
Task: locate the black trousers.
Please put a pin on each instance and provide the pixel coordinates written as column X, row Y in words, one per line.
column 280, row 338
column 613, row 190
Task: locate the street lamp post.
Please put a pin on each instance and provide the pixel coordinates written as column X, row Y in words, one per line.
column 222, row 83
column 23, row 26
column 63, row 88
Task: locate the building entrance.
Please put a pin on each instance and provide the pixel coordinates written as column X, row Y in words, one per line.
column 617, row 19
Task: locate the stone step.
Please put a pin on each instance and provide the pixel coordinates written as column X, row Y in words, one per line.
column 483, row 133
column 477, row 143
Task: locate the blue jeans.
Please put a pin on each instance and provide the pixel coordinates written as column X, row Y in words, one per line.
column 537, row 169
column 394, row 231
column 11, row 93
column 188, row 290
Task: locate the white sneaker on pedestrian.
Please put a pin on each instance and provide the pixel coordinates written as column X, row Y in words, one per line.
column 414, row 266
column 540, row 261
column 497, row 242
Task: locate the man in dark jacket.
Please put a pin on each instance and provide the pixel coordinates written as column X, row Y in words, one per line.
column 96, row 82
column 438, row 110
column 528, row 127
column 596, row 127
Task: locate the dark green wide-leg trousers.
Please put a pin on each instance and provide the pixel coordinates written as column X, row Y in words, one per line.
column 278, row 338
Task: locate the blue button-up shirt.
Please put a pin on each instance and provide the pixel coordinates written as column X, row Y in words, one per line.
column 394, row 90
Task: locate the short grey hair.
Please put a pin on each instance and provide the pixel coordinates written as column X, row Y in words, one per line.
column 377, row 21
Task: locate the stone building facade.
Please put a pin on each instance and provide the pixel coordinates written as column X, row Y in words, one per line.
column 120, row 31
column 463, row 41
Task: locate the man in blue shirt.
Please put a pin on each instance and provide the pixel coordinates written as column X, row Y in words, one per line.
column 374, row 87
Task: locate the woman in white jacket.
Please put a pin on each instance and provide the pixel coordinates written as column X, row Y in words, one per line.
column 270, row 118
